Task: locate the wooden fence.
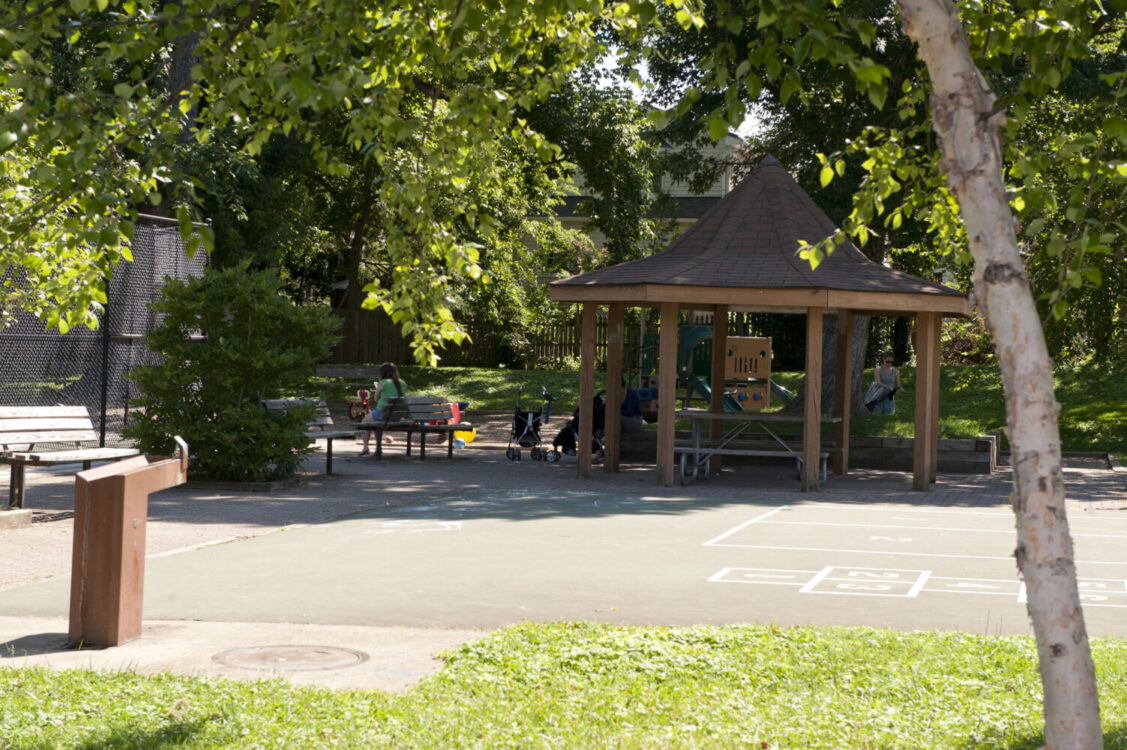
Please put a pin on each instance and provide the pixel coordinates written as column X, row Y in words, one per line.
column 380, row 340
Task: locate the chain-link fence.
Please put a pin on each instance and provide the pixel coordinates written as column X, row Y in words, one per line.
column 90, row 368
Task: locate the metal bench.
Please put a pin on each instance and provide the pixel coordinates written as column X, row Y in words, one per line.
column 416, row 414
column 22, row 428
column 321, row 427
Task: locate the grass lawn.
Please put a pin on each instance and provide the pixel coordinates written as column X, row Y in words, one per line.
column 1093, row 399
column 596, row 686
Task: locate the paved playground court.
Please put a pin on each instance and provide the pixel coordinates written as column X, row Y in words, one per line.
column 477, row 543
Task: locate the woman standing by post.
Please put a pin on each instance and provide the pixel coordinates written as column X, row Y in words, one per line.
column 389, row 386
column 886, row 383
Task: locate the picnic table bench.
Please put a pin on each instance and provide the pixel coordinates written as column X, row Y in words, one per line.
column 696, row 452
column 321, row 427
column 22, row 428
column 424, row 415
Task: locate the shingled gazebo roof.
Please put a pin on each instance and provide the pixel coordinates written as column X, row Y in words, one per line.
column 743, row 252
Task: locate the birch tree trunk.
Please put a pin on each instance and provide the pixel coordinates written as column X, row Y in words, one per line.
column 967, row 123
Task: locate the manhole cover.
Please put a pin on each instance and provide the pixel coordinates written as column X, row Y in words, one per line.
column 291, row 658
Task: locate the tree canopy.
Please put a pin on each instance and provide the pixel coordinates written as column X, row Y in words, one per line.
column 86, row 144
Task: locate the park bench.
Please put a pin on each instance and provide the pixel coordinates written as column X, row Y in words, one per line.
column 22, row 428
column 321, row 427
column 424, row 415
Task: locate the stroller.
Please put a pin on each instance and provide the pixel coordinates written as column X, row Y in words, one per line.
column 567, row 439
column 526, row 430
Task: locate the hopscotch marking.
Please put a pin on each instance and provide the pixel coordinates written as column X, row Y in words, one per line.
column 866, row 582
column 908, row 584
column 767, row 519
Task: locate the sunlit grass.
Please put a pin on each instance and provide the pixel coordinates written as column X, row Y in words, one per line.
column 579, row 685
column 1093, row 399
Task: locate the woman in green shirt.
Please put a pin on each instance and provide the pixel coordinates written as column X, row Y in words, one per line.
column 390, row 386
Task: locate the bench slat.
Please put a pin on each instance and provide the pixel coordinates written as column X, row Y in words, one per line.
column 742, row 452
column 28, row 426
column 52, row 436
column 49, row 458
column 38, row 412
column 320, row 427
column 34, row 424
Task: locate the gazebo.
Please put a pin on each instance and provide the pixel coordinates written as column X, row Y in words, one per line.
column 741, row 255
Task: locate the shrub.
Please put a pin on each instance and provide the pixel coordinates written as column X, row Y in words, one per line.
column 227, row 341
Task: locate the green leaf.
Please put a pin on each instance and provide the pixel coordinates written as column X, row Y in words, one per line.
column 826, row 176
column 871, row 73
column 1116, row 126
column 718, row 128
column 1093, row 275
column 877, row 94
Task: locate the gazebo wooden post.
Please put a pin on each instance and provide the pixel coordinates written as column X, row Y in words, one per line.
column 938, row 328
column 716, row 378
column 927, row 400
column 666, row 392
column 812, row 413
column 843, row 390
column 586, row 389
column 612, row 434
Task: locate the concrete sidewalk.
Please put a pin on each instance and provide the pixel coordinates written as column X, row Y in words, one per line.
column 185, row 520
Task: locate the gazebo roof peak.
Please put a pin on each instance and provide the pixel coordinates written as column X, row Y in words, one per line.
column 750, row 239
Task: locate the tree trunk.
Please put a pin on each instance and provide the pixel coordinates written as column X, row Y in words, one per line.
column 829, row 367
column 354, row 295
column 180, row 79
column 967, row 123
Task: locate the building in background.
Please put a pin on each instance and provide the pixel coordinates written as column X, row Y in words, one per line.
column 684, row 206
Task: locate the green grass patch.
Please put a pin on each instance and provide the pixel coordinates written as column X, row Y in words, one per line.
column 579, row 685
column 1093, row 399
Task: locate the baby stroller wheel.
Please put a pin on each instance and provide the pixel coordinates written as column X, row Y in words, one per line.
column 552, row 457
column 512, row 454
column 537, row 455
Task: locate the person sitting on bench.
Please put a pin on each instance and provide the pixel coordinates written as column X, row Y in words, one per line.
column 389, row 386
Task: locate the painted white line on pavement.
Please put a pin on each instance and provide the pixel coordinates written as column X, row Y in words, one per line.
column 816, row 579
column 918, row 586
column 1010, row 532
column 744, row 525
column 894, row 553
column 194, row 547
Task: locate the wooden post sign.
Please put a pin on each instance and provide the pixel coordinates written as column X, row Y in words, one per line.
column 108, row 566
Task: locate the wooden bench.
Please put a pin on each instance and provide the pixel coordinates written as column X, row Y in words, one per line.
column 424, row 415
column 321, row 427
column 22, row 428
